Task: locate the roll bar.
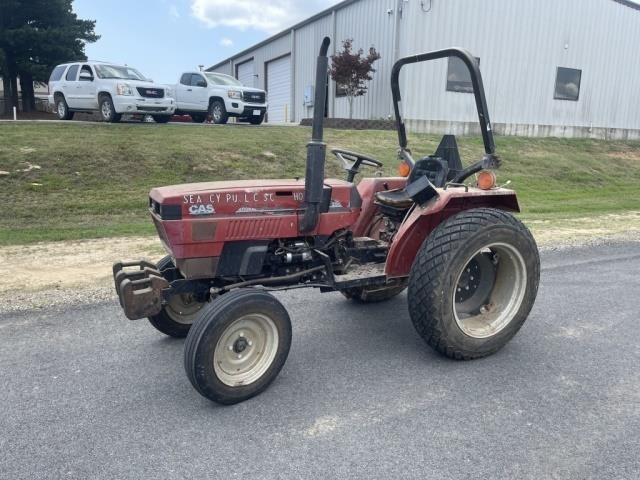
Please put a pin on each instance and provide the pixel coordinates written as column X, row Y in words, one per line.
column 476, row 81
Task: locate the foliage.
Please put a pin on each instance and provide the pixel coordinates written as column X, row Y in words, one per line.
column 352, row 70
column 36, row 35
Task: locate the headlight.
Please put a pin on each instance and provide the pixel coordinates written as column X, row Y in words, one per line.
column 168, row 92
column 235, row 94
column 124, row 89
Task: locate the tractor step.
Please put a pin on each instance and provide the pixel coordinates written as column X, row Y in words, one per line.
column 139, row 287
column 364, row 275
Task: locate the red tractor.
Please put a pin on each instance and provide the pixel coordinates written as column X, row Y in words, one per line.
column 471, row 268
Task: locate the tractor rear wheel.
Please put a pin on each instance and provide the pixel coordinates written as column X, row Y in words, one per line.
column 373, row 294
column 238, row 346
column 177, row 316
column 473, row 283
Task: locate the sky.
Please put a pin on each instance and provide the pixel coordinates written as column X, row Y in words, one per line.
column 162, row 38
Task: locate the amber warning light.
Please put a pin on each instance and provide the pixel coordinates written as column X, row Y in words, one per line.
column 404, row 169
column 486, row 180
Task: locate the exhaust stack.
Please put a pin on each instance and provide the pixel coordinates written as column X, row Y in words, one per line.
column 316, row 148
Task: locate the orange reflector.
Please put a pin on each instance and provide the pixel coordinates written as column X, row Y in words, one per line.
column 486, row 180
column 404, row 169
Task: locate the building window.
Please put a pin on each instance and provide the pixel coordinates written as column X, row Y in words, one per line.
column 567, row 84
column 458, row 76
column 340, row 91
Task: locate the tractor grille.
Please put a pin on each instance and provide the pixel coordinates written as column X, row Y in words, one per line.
column 243, row 229
column 253, row 97
column 151, row 92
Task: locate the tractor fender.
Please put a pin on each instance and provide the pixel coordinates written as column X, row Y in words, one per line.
column 423, row 219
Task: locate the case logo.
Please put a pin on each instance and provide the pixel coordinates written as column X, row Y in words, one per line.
column 200, row 209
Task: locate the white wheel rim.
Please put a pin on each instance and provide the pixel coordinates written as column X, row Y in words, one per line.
column 61, row 109
column 183, row 309
column 246, row 349
column 217, row 112
column 505, row 299
column 106, row 110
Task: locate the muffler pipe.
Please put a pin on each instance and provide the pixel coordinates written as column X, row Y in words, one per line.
column 316, row 148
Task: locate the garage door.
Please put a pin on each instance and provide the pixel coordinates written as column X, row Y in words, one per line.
column 279, row 90
column 245, row 73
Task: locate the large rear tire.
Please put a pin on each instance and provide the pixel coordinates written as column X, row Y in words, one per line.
column 473, row 283
column 238, row 346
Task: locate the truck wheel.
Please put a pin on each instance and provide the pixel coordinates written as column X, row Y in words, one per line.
column 198, row 117
column 62, row 109
column 218, row 113
column 238, row 346
column 373, row 294
column 473, row 283
column 175, row 318
column 107, row 110
column 161, row 118
column 256, row 120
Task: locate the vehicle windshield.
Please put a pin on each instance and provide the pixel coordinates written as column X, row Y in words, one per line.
column 221, row 79
column 116, row 71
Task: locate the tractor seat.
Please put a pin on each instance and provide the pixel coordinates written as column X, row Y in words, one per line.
column 397, row 198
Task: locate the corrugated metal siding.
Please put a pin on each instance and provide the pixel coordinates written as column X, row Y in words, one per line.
column 369, row 24
column 245, row 72
column 307, row 44
column 279, row 47
column 520, row 45
column 224, row 68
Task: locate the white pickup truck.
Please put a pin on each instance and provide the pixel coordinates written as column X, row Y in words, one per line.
column 218, row 96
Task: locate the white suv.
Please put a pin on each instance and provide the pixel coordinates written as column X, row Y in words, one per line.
column 111, row 89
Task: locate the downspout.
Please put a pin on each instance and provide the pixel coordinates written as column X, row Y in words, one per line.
column 292, row 94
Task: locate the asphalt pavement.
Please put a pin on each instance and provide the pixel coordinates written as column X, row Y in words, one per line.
column 87, row 394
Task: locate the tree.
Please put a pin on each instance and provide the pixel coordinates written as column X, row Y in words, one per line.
column 35, row 36
column 352, row 70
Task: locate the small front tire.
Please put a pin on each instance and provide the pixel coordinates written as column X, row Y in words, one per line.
column 238, row 346
column 177, row 316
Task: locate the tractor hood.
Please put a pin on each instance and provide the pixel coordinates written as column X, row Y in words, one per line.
column 240, row 197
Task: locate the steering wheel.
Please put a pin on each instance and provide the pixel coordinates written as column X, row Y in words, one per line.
column 351, row 162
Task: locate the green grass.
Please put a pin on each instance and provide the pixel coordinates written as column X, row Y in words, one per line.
column 93, row 179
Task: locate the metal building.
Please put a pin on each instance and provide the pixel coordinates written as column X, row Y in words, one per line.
column 550, row 67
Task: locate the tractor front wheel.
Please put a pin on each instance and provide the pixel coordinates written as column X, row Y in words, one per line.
column 238, row 346
column 177, row 316
column 473, row 283
column 180, row 312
